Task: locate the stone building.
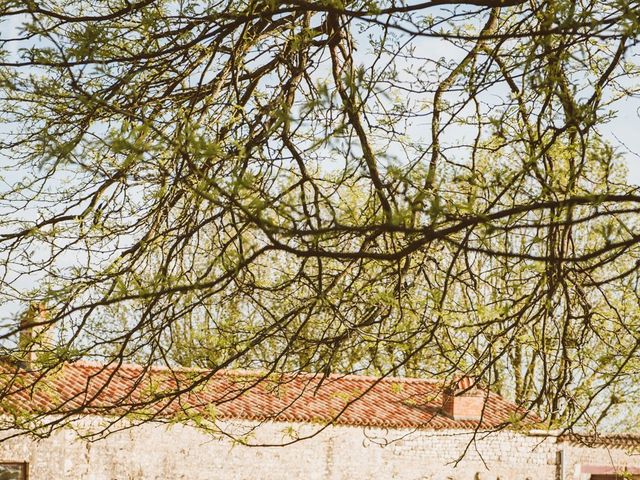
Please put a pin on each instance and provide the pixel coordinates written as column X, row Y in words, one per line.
column 339, row 427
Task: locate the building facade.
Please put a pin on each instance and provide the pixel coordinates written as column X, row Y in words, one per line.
column 398, row 429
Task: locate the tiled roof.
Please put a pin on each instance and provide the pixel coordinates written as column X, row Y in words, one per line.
column 622, row 440
column 347, row 400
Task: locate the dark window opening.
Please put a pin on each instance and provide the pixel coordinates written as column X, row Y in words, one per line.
column 13, row 471
column 615, row 477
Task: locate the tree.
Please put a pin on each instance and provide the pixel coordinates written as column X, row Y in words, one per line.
column 317, row 190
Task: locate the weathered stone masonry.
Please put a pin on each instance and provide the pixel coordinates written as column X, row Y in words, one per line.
column 162, row 452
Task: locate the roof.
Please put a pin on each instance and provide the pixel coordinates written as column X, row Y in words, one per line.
column 390, row 402
column 618, row 440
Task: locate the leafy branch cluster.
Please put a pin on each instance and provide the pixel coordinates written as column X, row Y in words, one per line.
column 385, row 187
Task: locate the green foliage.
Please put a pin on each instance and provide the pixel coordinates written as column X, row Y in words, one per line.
column 322, row 187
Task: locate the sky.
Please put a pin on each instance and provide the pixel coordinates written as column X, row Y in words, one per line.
column 623, row 131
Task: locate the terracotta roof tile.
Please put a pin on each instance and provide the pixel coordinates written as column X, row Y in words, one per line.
column 390, row 402
column 618, row 440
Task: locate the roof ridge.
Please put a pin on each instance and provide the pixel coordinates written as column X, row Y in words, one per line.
column 136, row 366
column 254, row 372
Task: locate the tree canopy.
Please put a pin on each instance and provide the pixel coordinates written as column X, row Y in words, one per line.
column 382, row 187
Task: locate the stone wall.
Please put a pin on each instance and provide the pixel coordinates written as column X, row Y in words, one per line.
column 603, row 457
column 161, row 452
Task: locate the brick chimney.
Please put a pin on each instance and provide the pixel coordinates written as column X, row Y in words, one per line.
column 34, row 333
column 463, row 400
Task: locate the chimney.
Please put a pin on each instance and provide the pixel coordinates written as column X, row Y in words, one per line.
column 34, row 333
column 463, row 400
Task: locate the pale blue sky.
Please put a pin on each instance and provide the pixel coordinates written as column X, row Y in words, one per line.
column 623, row 131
